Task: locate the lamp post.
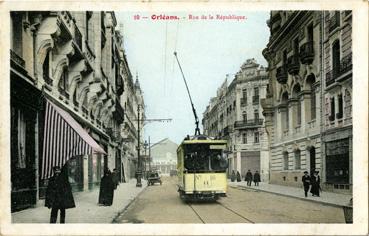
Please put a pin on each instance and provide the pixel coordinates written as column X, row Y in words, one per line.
column 139, row 168
column 145, row 146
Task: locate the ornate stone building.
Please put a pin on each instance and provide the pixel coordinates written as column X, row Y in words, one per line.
column 76, row 60
column 164, row 156
column 235, row 114
column 297, row 103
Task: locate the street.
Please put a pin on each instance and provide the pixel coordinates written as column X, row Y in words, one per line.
column 161, row 204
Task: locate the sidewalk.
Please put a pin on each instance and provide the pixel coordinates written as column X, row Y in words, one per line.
column 329, row 198
column 87, row 210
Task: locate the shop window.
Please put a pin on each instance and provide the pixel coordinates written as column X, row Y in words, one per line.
column 22, row 126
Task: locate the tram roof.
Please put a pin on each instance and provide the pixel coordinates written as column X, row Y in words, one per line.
column 203, row 139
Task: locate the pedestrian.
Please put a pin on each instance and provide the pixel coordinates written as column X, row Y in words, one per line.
column 115, row 178
column 238, row 176
column 233, row 176
column 306, row 182
column 248, row 178
column 106, row 194
column 256, row 178
column 59, row 195
column 315, row 184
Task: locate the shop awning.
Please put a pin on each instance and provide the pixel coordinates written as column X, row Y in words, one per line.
column 64, row 138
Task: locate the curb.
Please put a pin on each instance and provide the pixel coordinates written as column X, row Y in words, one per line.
column 120, row 213
column 291, row 196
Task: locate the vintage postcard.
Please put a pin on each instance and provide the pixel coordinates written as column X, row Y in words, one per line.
column 175, row 118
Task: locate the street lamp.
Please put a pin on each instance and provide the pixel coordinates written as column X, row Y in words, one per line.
column 139, row 167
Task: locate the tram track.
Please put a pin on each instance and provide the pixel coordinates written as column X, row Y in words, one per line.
column 223, row 206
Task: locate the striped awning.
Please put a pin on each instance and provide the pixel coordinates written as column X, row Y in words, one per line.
column 64, row 138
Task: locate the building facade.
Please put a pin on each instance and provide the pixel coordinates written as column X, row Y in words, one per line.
column 164, row 156
column 75, row 60
column 235, row 115
column 296, row 103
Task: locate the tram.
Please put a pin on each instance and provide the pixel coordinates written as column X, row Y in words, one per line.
column 201, row 163
column 201, row 168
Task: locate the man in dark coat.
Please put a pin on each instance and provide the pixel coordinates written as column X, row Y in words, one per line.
column 248, row 178
column 306, row 182
column 238, row 176
column 256, row 178
column 315, row 184
column 59, row 195
column 106, row 189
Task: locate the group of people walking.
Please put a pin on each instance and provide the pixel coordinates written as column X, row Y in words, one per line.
column 249, row 177
column 59, row 195
column 313, row 181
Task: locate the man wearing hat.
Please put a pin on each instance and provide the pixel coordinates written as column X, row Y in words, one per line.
column 306, row 182
column 59, row 194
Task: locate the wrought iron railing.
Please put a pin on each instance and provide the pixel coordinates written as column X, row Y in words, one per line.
column 248, row 123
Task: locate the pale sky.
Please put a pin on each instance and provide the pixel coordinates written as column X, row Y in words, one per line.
column 207, row 51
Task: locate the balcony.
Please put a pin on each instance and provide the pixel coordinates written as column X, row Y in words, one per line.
column 14, row 57
column 282, row 74
column 255, row 100
column 341, row 73
column 307, row 52
column 293, row 64
column 334, row 21
column 248, row 124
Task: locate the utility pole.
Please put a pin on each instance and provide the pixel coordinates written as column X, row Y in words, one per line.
column 149, row 154
column 138, row 171
column 139, row 161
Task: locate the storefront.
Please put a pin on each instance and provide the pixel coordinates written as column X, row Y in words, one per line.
column 25, row 119
column 250, row 161
column 337, row 162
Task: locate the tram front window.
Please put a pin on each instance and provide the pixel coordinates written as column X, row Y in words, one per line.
column 200, row 158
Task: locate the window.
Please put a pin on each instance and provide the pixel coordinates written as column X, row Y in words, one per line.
column 45, row 68
column 256, row 91
column 256, row 115
column 21, row 162
column 296, row 46
column 347, row 104
column 313, row 104
column 256, row 137
column 285, row 161
column 340, row 107
column 336, row 57
column 297, row 160
column 244, row 117
column 234, row 104
column 298, row 112
column 63, row 83
column 331, row 116
column 244, row 138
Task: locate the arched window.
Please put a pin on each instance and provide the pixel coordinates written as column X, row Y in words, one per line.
column 46, row 68
column 297, row 159
column 295, row 94
column 285, row 113
column 310, row 85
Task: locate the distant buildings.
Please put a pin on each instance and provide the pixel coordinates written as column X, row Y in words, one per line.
column 164, row 156
column 76, row 60
column 235, row 114
column 308, row 108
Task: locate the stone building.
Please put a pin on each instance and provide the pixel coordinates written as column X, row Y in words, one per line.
column 337, row 100
column 235, row 115
column 164, row 156
column 75, row 60
column 297, row 99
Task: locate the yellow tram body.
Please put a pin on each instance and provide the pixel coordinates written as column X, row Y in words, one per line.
column 201, row 169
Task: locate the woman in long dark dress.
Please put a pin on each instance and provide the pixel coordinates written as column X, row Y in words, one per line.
column 315, row 184
column 107, row 186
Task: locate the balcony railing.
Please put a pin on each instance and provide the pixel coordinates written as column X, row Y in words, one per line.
column 336, row 74
column 17, row 59
column 334, row 21
column 307, row 52
column 282, row 74
column 255, row 100
column 293, row 64
column 248, row 123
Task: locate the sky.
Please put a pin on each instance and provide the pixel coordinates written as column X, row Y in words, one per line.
column 208, row 50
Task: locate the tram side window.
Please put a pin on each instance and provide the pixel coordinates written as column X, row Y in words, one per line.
column 197, row 159
column 218, row 161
